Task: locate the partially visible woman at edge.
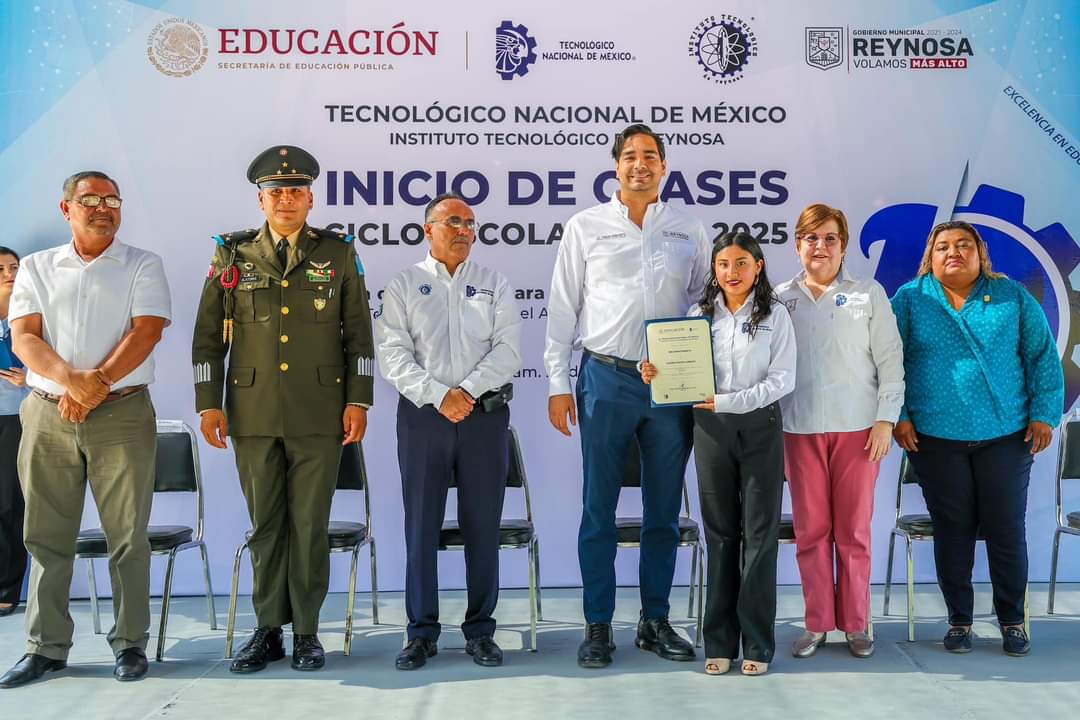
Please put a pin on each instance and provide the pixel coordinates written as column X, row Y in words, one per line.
column 838, row 426
column 985, row 389
column 12, row 392
column 739, row 451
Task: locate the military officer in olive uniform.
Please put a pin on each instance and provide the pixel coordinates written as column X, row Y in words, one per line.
column 288, row 305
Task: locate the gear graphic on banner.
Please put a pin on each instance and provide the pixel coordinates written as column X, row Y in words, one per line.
column 1041, row 259
column 723, row 46
column 515, row 50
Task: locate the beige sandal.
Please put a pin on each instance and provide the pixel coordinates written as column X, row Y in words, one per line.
column 753, row 667
column 717, row 666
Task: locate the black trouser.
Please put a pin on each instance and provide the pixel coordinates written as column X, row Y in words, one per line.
column 476, row 452
column 12, row 550
column 740, row 469
column 978, row 490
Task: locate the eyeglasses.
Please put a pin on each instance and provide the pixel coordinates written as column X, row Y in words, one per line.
column 829, row 240
column 92, row 201
column 458, row 223
column 963, row 246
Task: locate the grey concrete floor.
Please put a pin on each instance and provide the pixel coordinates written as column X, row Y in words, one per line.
column 902, row 680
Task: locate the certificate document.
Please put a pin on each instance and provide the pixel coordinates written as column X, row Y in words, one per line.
column 681, row 350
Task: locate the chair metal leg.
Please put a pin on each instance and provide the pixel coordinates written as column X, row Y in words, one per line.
column 693, row 580
column 1053, row 572
column 888, row 573
column 536, row 564
column 211, row 611
column 869, row 614
column 374, row 585
column 532, row 596
column 1027, row 611
column 700, row 593
column 230, row 627
column 94, row 609
column 351, row 603
column 910, row 593
column 166, row 595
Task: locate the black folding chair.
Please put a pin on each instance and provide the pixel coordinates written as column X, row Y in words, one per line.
column 176, row 469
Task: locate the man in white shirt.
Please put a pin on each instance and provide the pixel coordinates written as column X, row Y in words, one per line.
column 85, row 318
column 449, row 341
column 619, row 264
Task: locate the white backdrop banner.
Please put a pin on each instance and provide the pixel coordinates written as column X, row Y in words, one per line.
column 902, row 116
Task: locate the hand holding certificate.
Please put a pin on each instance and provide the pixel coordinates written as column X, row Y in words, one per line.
column 680, row 350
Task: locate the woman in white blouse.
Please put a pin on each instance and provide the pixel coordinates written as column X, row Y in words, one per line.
column 837, row 426
column 738, row 445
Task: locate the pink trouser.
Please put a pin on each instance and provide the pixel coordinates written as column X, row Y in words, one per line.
column 832, row 498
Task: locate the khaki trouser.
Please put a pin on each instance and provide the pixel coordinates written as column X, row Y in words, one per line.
column 112, row 451
column 289, row 484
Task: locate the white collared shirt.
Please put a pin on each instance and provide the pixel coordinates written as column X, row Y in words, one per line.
column 86, row 307
column 752, row 370
column 611, row 276
column 437, row 331
column 851, row 358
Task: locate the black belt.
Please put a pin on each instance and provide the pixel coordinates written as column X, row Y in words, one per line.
column 492, row 400
column 616, row 362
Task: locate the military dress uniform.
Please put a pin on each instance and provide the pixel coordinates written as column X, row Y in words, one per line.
column 299, row 345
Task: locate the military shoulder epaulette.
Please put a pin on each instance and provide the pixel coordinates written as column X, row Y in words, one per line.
column 330, row 235
column 237, row 236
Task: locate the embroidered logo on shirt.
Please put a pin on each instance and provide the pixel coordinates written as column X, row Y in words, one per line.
column 841, row 299
column 471, row 291
column 675, row 234
column 425, row 289
column 612, row 236
column 790, row 304
column 746, row 327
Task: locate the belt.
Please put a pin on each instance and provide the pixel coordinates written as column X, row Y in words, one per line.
column 495, row 399
column 615, row 362
column 115, row 395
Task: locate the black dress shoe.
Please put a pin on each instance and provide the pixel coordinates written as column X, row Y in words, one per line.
column 131, row 665
column 958, row 639
column 30, row 668
column 1014, row 641
column 9, row 609
column 595, row 650
column 264, row 647
column 415, row 654
column 656, row 635
column 307, row 653
column 484, row 651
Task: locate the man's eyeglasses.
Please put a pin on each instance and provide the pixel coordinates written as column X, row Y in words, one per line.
column 829, row 240
column 458, row 223
column 92, row 201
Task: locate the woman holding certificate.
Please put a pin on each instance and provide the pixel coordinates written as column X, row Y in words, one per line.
column 12, row 392
column 837, row 426
column 738, row 443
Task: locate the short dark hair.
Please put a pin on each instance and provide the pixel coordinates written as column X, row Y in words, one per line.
column 71, row 182
column 632, row 130
column 4, row 250
column 441, row 198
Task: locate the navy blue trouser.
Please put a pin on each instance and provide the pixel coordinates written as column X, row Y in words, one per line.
column 978, row 489
column 475, row 452
column 613, row 409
